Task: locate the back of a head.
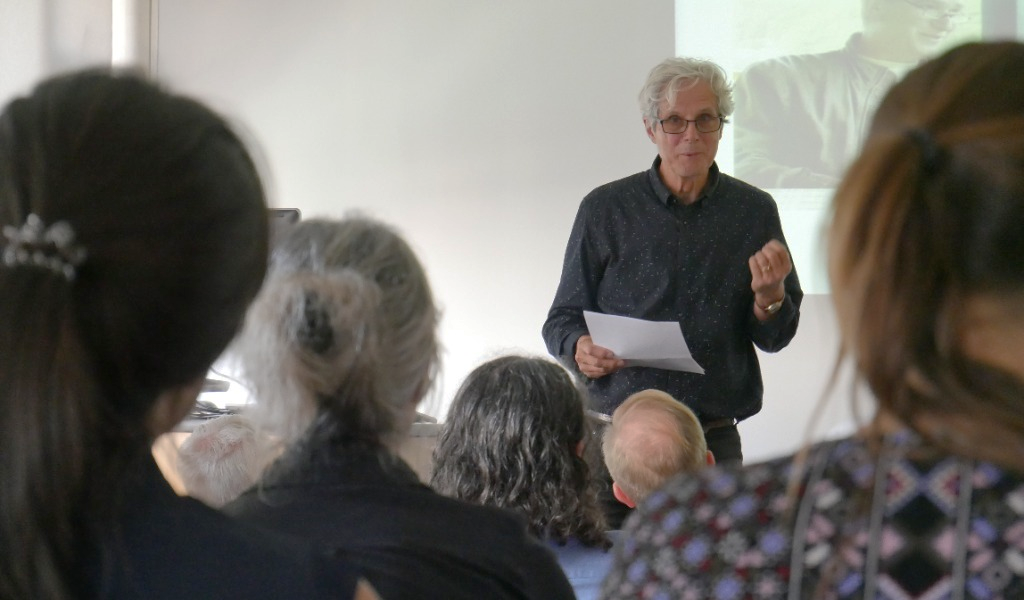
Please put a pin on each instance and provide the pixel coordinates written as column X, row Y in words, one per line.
column 134, row 237
column 343, row 335
column 931, row 215
column 511, row 440
column 652, row 438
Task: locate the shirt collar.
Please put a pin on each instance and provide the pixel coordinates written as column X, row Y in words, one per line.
column 667, row 196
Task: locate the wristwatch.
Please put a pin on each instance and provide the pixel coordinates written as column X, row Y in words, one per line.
column 774, row 307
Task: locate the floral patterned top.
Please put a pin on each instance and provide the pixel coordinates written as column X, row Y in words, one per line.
column 910, row 523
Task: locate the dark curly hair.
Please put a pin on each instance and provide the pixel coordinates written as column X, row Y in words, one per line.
column 512, row 439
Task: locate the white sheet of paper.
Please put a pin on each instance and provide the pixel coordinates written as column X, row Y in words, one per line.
column 642, row 343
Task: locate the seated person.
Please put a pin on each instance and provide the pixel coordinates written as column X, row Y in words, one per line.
column 652, row 438
column 514, row 438
column 222, row 458
column 134, row 236
column 338, row 350
column 925, row 249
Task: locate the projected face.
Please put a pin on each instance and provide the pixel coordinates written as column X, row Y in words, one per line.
column 911, row 30
column 687, row 155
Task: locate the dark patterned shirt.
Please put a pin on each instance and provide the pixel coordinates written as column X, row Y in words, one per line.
column 635, row 250
column 911, row 524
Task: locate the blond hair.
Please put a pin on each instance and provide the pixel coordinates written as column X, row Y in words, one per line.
column 652, row 437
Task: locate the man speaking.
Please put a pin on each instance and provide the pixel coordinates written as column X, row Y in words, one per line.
column 681, row 242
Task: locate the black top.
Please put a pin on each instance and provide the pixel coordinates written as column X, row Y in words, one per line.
column 163, row 546
column 370, row 509
column 637, row 251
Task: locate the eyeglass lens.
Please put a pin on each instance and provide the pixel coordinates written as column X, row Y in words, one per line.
column 703, row 123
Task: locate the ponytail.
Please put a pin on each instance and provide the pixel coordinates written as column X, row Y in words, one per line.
column 51, row 449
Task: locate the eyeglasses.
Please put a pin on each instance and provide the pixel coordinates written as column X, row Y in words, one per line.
column 935, row 12
column 703, row 123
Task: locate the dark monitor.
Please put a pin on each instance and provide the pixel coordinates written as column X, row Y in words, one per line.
column 280, row 220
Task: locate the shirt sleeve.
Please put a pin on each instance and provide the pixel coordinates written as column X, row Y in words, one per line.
column 582, row 269
column 776, row 333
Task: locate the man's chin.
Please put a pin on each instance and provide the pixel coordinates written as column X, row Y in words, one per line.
column 929, row 45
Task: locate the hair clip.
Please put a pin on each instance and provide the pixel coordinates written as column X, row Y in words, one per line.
column 35, row 244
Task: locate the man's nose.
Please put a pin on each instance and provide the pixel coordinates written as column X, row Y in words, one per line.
column 690, row 133
column 943, row 24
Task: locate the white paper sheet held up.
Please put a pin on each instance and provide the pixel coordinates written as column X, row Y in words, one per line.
column 641, row 343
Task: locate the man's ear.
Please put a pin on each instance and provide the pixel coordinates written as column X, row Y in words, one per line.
column 621, row 496
column 649, row 127
column 711, row 459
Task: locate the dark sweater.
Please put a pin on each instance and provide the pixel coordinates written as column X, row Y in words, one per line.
column 160, row 545
column 370, row 509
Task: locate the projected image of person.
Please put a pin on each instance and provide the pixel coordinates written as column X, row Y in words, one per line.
column 680, row 242
column 800, row 120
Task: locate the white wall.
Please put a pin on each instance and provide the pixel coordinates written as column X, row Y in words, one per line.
column 796, row 384
column 42, row 37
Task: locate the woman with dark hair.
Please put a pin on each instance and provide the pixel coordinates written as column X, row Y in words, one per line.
column 514, row 438
column 134, row 237
column 925, row 252
column 339, row 348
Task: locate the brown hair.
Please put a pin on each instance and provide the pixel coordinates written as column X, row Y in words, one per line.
column 930, row 215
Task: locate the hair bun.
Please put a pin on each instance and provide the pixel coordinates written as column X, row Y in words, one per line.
column 314, row 331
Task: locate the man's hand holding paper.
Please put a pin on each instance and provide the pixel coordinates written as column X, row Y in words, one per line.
column 616, row 342
column 596, row 361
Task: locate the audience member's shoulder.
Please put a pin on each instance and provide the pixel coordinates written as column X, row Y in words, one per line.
column 507, row 534
column 721, row 489
column 199, row 552
column 268, row 563
column 506, row 524
column 717, row 484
